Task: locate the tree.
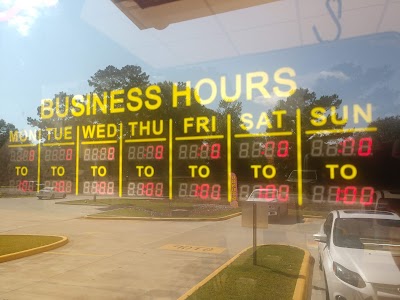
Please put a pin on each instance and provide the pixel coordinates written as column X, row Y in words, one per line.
column 112, row 78
column 388, row 128
column 385, row 159
column 5, row 129
column 306, row 100
column 55, row 121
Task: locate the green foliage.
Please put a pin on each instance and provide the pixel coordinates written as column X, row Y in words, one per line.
column 155, row 208
column 388, row 128
column 306, row 100
column 112, row 78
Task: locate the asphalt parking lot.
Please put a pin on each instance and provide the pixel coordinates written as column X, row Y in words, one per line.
column 126, row 259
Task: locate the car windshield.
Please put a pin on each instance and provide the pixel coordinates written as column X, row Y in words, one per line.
column 264, row 195
column 306, row 175
column 363, row 233
column 389, row 204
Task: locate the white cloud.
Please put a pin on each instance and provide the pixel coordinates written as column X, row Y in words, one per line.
column 335, row 74
column 22, row 14
column 310, row 80
column 268, row 103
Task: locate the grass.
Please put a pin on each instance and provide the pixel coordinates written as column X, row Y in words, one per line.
column 123, row 207
column 16, row 243
column 319, row 209
column 124, row 212
column 129, row 212
column 274, row 276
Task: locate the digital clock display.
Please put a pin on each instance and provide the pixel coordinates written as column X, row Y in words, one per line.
column 22, row 155
column 95, row 153
column 58, row 154
column 98, row 188
column 149, row 152
column 272, row 191
column 200, row 191
column 202, row 151
column 62, row 186
column 266, row 149
column 348, row 147
column 24, row 185
column 146, row 189
column 348, row 195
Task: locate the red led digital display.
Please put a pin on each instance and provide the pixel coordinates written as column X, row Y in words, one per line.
column 272, row 192
column 202, row 151
column 146, row 152
column 348, row 195
column 22, row 155
column 351, row 194
column 268, row 149
column 148, row 189
column 348, row 147
column 24, row 185
column 62, row 186
column 58, row 154
column 98, row 187
column 281, row 192
column 99, row 154
column 200, row 190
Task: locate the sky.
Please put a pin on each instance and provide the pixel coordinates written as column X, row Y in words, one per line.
column 48, row 46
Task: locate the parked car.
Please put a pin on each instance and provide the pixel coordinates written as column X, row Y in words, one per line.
column 276, row 207
column 50, row 193
column 359, row 254
column 388, row 200
column 309, row 179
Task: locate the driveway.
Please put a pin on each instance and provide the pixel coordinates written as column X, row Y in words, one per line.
column 117, row 259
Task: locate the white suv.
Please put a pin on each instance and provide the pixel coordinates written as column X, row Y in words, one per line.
column 50, row 193
column 359, row 253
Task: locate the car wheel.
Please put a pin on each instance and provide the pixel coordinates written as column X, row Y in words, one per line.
column 52, row 196
column 40, row 198
column 65, row 195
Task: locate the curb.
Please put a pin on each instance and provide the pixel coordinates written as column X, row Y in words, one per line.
column 300, row 290
column 33, row 251
column 164, row 219
column 312, row 216
column 213, row 274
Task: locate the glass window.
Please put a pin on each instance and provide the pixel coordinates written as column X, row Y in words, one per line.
column 181, row 109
